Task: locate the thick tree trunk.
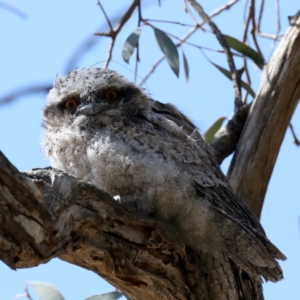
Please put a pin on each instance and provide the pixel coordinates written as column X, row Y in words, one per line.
column 270, row 114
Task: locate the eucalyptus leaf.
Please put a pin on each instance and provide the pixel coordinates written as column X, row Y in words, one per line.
column 108, row 296
column 169, row 49
column 46, row 291
column 209, row 134
column 245, row 50
column 244, row 84
column 130, row 44
column 186, row 67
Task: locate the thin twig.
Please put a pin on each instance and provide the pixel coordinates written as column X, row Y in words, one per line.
column 109, row 54
column 187, row 9
column 137, row 60
column 137, row 56
column 270, row 36
column 114, row 32
column 254, row 27
column 296, row 140
column 235, row 76
column 152, row 70
column 28, row 295
column 278, row 17
column 247, row 22
column 89, row 43
column 224, row 7
column 278, row 28
column 245, row 10
column 247, row 19
column 261, row 10
column 247, row 77
column 189, row 43
column 172, row 35
column 266, row 35
column 126, row 16
column 105, row 15
column 170, row 22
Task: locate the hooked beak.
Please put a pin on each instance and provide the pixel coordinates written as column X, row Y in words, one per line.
column 88, row 109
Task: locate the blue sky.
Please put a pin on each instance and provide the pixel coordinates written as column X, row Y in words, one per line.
column 35, row 49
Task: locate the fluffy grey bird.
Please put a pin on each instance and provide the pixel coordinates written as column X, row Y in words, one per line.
column 104, row 129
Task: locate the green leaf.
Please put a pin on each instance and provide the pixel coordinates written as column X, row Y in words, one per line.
column 209, row 134
column 244, row 84
column 169, row 49
column 186, row 67
column 130, row 44
column 245, row 50
column 108, row 296
column 46, row 291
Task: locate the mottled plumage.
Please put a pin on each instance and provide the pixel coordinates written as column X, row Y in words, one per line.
column 117, row 138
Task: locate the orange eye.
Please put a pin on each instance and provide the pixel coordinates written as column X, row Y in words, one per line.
column 111, row 95
column 71, row 104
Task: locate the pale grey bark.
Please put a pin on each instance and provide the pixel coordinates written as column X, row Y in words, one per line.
column 269, row 117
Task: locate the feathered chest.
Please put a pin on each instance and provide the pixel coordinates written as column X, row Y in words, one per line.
column 103, row 150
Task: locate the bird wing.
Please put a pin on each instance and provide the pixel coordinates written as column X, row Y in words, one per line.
column 211, row 185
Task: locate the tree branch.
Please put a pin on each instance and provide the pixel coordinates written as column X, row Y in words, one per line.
column 296, row 140
column 228, row 136
column 269, row 117
column 105, row 15
column 113, row 33
column 46, row 213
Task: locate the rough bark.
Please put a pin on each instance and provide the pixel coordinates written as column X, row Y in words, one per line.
column 269, row 117
column 46, row 213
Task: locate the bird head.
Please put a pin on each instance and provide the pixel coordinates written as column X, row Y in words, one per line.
column 91, row 93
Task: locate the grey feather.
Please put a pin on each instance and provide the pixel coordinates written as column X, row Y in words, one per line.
column 153, row 157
